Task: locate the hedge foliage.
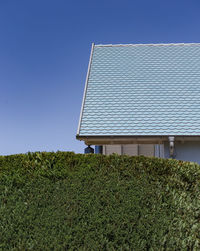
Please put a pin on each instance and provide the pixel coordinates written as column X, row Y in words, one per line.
column 67, row 201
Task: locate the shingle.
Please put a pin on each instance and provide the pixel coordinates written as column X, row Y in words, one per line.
column 143, row 90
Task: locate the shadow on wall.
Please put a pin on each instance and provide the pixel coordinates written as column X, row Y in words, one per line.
column 187, row 151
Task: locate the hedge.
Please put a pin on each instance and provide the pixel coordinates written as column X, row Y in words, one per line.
column 67, row 201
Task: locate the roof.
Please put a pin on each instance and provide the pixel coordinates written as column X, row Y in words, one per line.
column 142, row 90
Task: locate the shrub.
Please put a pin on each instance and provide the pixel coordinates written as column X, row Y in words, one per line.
column 68, row 201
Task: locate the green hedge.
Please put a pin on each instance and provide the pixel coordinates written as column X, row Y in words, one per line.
column 67, row 201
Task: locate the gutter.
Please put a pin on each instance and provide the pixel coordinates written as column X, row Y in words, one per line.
column 137, row 139
column 126, row 139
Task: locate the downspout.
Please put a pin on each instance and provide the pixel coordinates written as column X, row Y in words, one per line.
column 171, row 147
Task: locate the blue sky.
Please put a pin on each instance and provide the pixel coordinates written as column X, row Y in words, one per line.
column 44, row 54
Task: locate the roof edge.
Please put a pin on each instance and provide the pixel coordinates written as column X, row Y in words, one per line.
column 78, row 136
column 138, row 139
column 85, row 89
column 156, row 44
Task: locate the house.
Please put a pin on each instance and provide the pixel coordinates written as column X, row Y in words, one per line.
column 143, row 99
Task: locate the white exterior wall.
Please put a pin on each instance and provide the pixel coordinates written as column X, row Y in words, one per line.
column 187, row 151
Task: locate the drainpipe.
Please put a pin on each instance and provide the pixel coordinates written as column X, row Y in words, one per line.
column 171, row 147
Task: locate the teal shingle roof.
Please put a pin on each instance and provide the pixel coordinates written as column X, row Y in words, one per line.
column 143, row 90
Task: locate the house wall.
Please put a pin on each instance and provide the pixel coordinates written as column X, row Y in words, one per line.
column 187, row 151
column 132, row 149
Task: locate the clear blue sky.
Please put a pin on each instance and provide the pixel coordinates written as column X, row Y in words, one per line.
column 44, row 53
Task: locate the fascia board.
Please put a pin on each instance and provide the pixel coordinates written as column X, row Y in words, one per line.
column 99, row 140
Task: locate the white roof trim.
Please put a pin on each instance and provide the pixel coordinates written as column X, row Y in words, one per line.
column 164, row 44
column 85, row 89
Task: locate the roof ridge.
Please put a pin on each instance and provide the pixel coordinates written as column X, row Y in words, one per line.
column 158, row 44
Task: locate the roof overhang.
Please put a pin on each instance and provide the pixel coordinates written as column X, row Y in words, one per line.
column 126, row 139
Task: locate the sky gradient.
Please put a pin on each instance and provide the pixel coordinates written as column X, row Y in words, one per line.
column 44, row 53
